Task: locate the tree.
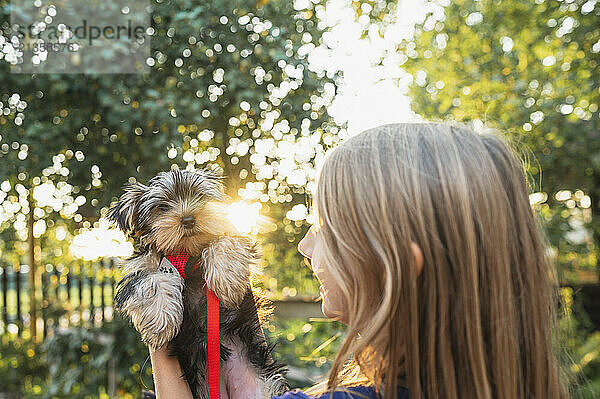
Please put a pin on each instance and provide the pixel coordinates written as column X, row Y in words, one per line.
column 229, row 84
column 531, row 69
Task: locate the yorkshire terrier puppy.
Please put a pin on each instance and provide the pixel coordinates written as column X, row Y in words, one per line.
column 182, row 212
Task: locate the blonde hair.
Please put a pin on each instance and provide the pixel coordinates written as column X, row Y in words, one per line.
column 479, row 321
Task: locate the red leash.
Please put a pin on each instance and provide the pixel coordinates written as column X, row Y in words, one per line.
column 214, row 345
column 183, row 262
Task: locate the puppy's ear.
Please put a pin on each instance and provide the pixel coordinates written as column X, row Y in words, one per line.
column 213, row 182
column 124, row 213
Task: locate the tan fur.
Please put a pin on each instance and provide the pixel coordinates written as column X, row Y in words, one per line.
column 215, row 221
column 156, row 309
column 167, row 232
column 211, row 222
column 227, row 268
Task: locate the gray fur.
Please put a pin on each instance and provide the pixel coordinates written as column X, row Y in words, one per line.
column 156, row 308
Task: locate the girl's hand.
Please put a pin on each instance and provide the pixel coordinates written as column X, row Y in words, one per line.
column 167, row 372
column 238, row 378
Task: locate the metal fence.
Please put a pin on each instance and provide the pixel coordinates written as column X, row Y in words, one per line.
column 81, row 294
column 68, row 295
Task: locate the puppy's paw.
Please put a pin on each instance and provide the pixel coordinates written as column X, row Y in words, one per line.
column 154, row 302
column 227, row 264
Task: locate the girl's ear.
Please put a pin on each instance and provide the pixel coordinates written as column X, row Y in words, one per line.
column 418, row 254
column 124, row 213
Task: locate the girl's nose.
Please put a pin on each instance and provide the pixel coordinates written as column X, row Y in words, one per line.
column 306, row 245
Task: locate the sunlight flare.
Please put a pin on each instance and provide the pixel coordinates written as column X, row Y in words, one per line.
column 100, row 242
column 245, row 216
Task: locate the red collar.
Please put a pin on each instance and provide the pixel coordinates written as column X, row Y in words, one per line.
column 183, row 263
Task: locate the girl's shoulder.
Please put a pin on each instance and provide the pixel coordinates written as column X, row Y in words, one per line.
column 358, row 392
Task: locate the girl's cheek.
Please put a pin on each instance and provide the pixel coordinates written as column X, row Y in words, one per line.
column 315, row 260
column 331, row 306
column 332, row 296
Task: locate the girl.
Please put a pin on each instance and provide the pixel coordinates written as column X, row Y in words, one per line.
column 426, row 246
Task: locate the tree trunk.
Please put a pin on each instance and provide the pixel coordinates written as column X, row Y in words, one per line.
column 595, row 199
column 32, row 270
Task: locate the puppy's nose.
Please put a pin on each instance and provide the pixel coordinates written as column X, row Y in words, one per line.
column 188, row 222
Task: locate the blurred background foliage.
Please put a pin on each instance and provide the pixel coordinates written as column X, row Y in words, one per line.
column 529, row 68
column 232, row 83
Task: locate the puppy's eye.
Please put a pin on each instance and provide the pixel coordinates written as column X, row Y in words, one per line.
column 163, row 207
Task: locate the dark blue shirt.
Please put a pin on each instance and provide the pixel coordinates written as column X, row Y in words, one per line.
column 369, row 392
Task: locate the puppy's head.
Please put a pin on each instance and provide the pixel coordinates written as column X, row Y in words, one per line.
column 177, row 210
